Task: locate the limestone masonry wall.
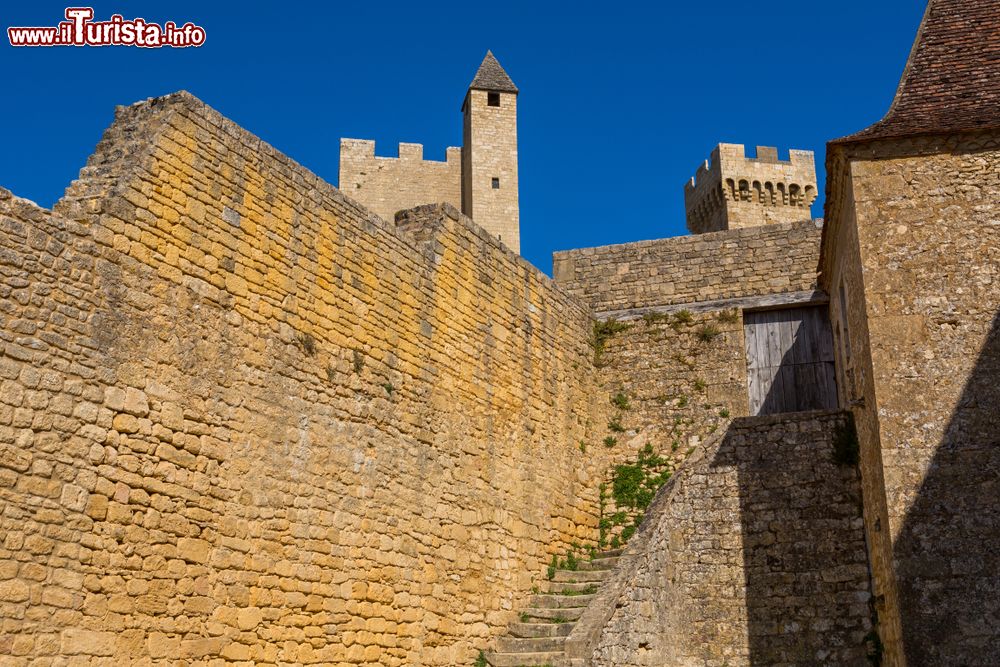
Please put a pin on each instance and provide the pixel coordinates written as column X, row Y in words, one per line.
column 680, row 388
column 49, row 396
column 753, row 554
column 242, row 419
column 387, row 185
column 732, row 264
column 925, row 290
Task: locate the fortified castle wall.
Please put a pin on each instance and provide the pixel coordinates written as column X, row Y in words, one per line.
column 719, row 270
column 243, row 419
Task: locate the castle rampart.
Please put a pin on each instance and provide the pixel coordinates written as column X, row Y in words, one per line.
column 735, row 268
column 237, row 410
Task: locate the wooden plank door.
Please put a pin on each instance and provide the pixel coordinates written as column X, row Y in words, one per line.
column 789, row 360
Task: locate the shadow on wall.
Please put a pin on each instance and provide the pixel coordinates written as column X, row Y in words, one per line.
column 947, row 555
column 790, row 360
column 804, row 554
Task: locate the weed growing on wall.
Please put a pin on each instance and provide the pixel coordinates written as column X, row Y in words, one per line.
column 706, row 333
column 620, row 401
column 633, row 487
column 682, row 318
column 603, row 330
column 653, row 317
column 731, row 316
column 306, row 343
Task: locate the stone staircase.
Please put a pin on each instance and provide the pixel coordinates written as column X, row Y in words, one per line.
column 537, row 640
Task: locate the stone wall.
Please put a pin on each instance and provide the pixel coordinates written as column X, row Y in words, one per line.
column 754, row 553
column 387, row 185
column 849, row 322
column 242, row 419
column 669, row 389
column 49, row 398
column 733, row 268
column 922, row 308
column 680, row 386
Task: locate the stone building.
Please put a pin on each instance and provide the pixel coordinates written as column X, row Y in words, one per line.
column 480, row 178
column 246, row 418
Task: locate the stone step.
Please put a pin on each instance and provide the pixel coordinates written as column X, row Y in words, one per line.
column 554, row 658
column 567, row 588
column 551, row 601
column 530, row 644
column 610, row 553
column 598, row 564
column 577, row 576
column 552, row 615
column 540, row 629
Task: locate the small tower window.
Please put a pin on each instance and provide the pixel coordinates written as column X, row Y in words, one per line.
column 496, row 183
column 493, row 99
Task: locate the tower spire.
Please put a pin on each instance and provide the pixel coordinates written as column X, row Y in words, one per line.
column 489, row 153
column 491, row 76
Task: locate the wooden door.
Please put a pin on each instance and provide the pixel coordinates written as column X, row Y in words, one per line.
column 789, row 360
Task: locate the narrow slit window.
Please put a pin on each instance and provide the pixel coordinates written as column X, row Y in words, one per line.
column 496, row 183
column 493, row 99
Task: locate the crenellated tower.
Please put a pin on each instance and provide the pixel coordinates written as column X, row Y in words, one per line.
column 731, row 191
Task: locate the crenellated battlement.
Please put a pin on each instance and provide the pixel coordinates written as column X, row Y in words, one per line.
column 731, row 190
column 365, row 148
column 390, row 184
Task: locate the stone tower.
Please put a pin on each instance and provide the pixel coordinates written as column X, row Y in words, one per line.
column 480, row 178
column 732, row 191
column 489, row 153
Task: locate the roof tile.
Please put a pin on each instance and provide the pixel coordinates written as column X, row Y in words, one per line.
column 952, row 80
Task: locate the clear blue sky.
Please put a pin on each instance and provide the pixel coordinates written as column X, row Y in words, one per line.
column 619, row 102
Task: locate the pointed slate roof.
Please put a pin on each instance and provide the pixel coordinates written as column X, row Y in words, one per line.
column 491, row 76
column 952, row 80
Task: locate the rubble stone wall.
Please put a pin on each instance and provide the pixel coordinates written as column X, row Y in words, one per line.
column 754, row 553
